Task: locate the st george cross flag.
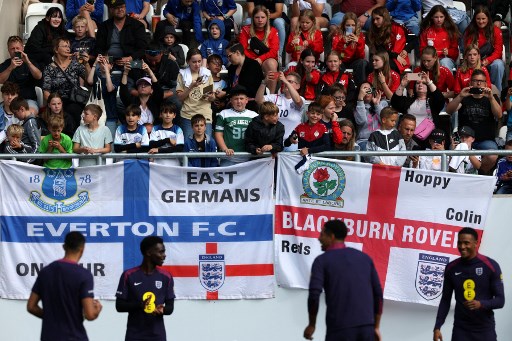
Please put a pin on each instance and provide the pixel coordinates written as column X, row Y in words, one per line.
column 406, row 219
column 216, row 224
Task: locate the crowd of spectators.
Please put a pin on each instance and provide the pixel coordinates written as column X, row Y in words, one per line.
column 393, row 75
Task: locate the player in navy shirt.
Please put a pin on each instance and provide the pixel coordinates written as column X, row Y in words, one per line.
column 353, row 294
column 67, row 292
column 478, row 284
column 146, row 292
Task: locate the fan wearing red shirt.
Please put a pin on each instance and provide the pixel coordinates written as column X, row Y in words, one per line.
column 383, row 78
column 306, row 36
column 482, row 33
column 260, row 29
column 440, row 75
column 309, row 75
column 470, row 63
column 440, row 32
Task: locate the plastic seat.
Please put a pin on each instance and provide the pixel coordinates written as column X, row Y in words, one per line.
column 36, row 12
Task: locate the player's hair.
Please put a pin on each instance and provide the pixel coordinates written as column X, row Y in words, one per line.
column 17, row 130
column 197, row 118
column 56, row 122
column 17, row 103
column 268, row 108
column 94, row 109
column 148, row 242
column 388, row 112
column 469, row 230
column 74, row 241
column 337, row 228
column 315, row 107
column 168, row 107
column 134, row 109
column 78, row 19
column 10, row 88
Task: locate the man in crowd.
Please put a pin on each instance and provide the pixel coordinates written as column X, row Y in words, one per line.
column 352, row 289
column 406, row 128
column 478, row 285
column 66, row 290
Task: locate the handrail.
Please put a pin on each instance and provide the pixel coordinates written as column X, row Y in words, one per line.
column 184, row 156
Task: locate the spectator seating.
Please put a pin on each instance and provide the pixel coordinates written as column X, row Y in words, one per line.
column 35, row 13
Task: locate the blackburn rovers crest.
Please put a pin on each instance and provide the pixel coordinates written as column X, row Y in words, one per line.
column 323, row 183
column 430, row 275
column 212, row 271
column 58, row 186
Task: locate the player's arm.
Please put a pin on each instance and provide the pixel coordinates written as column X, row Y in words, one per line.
column 169, row 306
column 316, row 284
column 92, row 308
column 378, row 301
column 444, row 306
column 498, row 292
column 33, row 305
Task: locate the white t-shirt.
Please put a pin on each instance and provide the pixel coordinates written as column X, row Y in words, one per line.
column 306, row 5
column 461, row 163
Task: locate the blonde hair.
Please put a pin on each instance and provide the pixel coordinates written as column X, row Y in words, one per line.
column 350, row 16
column 465, row 67
column 15, row 130
column 307, row 13
column 268, row 108
column 266, row 30
column 78, row 19
column 94, row 109
column 56, row 122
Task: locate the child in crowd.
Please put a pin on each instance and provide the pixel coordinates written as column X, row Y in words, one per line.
column 131, row 137
column 91, row 138
column 311, row 136
column 289, row 102
column 215, row 44
column 465, row 164
column 56, row 143
column 383, row 78
column 309, row 75
column 231, row 125
column 172, row 47
column 200, row 142
column 440, row 75
column 166, row 137
column 54, row 107
column 330, row 119
column 436, row 141
column 101, row 71
column 214, row 64
column 367, row 113
column 83, row 41
column 387, row 138
column 344, row 106
column 14, row 145
column 9, row 91
column 470, row 63
column 440, row 32
column 349, row 43
column 265, row 133
column 31, row 134
column 504, row 172
column 306, row 36
column 335, row 73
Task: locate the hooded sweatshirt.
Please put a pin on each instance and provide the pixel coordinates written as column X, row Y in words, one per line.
column 215, row 46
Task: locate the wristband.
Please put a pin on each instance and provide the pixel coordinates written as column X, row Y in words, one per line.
column 430, row 83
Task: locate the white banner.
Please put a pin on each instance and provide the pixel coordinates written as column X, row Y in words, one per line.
column 406, row 220
column 208, row 218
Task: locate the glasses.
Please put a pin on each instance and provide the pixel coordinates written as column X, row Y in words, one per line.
column 293, row 81
column 339, row 98
column 478, row 81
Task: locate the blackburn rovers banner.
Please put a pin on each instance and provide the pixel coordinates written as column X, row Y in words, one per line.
column 216, row 223
column 406, row 219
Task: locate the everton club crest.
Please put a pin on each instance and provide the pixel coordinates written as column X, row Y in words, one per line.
column 323, row 183
column 430, row 275
column 59, row 185
column 212, row 271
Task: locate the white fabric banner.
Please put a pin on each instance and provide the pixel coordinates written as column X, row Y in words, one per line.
column 208, row 219
column 406, row 220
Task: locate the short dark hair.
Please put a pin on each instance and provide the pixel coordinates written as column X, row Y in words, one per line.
column 235, row 46
column 315, row 107
column 478, row 72
column 168, row 107
column 215, row 58
column 10, row 88
column 197, row 118
column 337, row 228
column 74, row 241
column 148, row 242
column 469, row 230
column 409, row 117
column 134, row 109
column 17, row 103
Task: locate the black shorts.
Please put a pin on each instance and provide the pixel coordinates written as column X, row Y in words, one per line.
column 362, row 333
column 460, row 334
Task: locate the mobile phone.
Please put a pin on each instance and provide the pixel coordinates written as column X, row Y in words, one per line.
column 476, row 91
column 199, row 79
column 416, row 147
column 456, row 137
column 110, row 59
column 414, row 76
column 295, row 136
column 17, row 54
column 91, row 2
column 349, row 30
column 136, row 64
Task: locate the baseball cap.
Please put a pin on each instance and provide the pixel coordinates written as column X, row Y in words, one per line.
column 238, row 90
column 115, row 3
column 437, row 135
column 144, row 79
column 467, row 131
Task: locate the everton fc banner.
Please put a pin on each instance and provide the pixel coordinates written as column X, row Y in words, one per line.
column 217, row 224
column 406, row 219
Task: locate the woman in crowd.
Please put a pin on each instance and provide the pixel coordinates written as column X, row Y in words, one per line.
column 425, row 105
column 39, row 45
column 64, row 74
column 309, row 75
column 470, row 63
column 390, row 36
column 440, row 75
column 348, row 140
column 482, row 33
column 191, row 83
column 350, row 42
column 440, row 32
column 382, row 78
column 244, row 71
column 261, row 42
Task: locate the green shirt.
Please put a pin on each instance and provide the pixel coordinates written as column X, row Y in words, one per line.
column 66, row 143
column 233, row 125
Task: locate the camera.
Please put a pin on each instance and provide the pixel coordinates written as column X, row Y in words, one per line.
column 17, row 54
column 456, row 137
column 136, row 64
column 372, row 91
column 476, row 91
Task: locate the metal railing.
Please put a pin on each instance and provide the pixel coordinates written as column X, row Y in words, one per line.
column 357, row 155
